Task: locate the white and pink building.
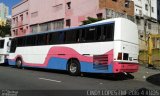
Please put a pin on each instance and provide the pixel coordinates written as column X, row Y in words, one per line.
column 31, row 16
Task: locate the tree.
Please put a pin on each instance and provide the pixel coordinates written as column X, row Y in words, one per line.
column 5, row 29
column 91, row 20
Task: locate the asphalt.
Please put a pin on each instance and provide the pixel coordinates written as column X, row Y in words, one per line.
column 39, row 79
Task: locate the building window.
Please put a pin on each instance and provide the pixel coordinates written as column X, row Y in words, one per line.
column 13, row 20
column 59, row 24
column 21, row 16
column 69, row 5
column 149, row 26
column 68, row 22
column 45, row 27
column 21, row 30
column 14, row 32
column 152, row 9
column 138, row 20
column 26, row 28
column 34, row 28
column 127, row 3
column 16, row 19
column 26, row 14
column 99, row 15
column 140, row 12
column 114, row 0
column 146, row 7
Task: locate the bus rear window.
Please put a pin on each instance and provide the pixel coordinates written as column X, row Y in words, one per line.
column 108, row 33
column 1, row 43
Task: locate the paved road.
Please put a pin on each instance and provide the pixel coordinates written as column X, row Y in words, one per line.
column 36, row 79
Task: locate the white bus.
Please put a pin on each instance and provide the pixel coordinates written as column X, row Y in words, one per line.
column 4, row 49
column 108, row 46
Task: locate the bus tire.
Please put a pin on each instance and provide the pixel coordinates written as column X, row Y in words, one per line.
column 19, row 63
column 74, row 67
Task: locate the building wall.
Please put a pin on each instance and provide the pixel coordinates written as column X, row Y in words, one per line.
column 148, row 7
column 46, row 10
column 20, row 18
column 138, row 7
column 81, row 9
column 50, row 17
column 122, row 6
column 151, row 28
column 58, row 10
column 148, row 11
column 45, row 15
column 146, row 19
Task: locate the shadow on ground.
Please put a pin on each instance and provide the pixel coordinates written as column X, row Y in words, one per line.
column 154, row 79
column 112, row 77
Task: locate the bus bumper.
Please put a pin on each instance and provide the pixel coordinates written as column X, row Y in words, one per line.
column 125, row 67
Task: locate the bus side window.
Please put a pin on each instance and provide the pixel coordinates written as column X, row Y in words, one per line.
column 77, row 35
column 30, row 41
column 21, row 41
column 72, row 36
column 42, row 39
column 83, row 35
column 90, row 34
column 54, row 38
column 98, row 34
column 69, row 37
column 61, row 37
column 50, row 38
column 1, row 43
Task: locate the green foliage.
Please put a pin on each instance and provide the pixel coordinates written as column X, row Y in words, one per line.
column 5, row 29
column 91, row 20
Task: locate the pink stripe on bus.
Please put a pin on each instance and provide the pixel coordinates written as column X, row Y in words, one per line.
column 65, row 53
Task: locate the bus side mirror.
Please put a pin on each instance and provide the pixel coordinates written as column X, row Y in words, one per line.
column 8, row 44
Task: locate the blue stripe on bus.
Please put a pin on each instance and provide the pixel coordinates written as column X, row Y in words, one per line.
column 61, row 64
column 57, row 63
column 11, row 62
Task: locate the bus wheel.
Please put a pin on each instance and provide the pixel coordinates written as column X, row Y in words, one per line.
column 74, row 67
column 19, row 63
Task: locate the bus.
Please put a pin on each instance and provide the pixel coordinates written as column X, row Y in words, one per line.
column 108, row 46
column 4, row 49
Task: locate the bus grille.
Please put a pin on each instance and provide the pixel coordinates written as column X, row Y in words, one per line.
column 100, row 62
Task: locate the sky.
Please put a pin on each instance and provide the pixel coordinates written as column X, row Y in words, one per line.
column 10, row 3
